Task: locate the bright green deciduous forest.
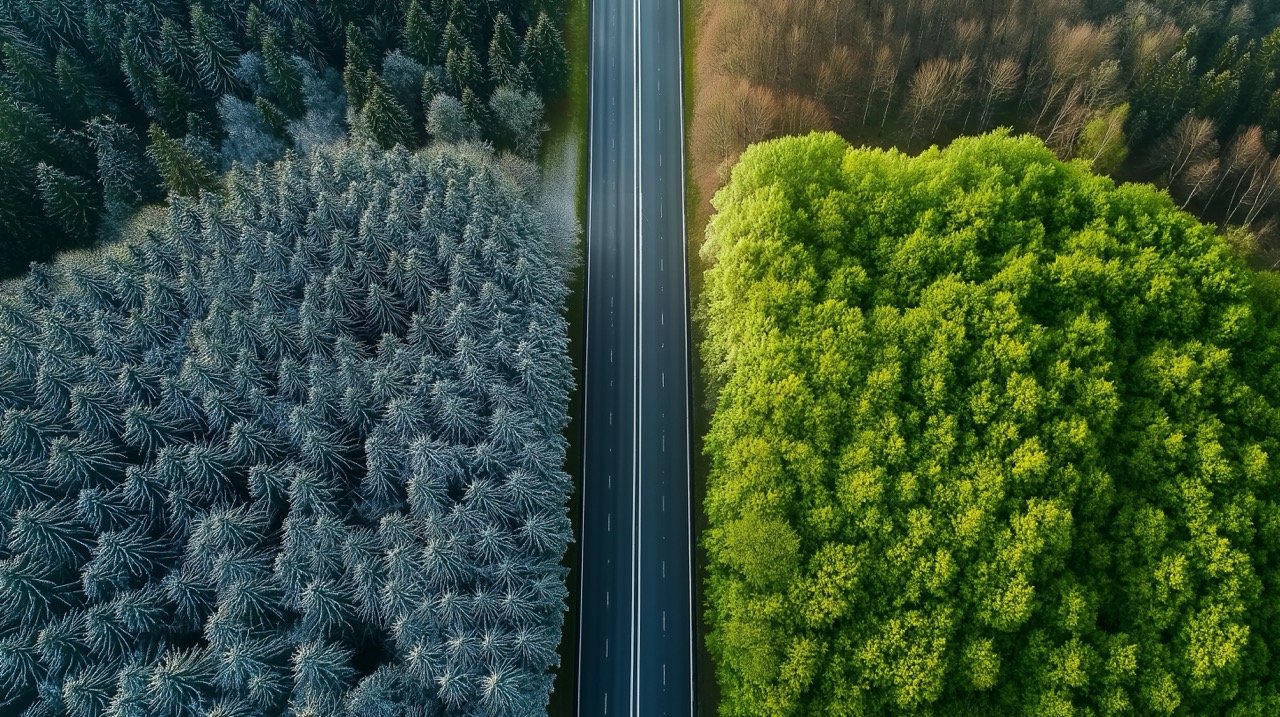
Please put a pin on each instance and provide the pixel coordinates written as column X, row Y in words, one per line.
column 992, row 435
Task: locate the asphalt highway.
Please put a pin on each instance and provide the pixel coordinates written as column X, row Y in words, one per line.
column 635, row 628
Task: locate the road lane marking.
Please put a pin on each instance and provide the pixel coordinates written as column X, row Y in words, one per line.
column 664, row 627
column 637, row 343
column 608, row 523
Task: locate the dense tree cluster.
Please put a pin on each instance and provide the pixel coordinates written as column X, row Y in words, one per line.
column 992, row 436
column 300, row 449
column 104, row 104
column 1106, row 80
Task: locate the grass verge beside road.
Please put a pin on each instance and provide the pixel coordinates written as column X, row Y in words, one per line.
column 696, row 214
column 565, row 159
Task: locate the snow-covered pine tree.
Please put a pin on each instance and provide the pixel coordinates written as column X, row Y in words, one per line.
column 301, row 441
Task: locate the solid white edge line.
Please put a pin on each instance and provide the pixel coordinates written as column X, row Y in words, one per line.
column 637, row 499
column 586, row 333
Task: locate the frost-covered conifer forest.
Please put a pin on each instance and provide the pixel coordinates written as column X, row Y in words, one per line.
column 298, row 450
column 284, row 433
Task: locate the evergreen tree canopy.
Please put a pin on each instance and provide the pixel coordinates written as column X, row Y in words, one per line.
column 68, row 199
column 544, row 54
column 298, row 450
column 182, row 64
column 448, row 120
column 183, row 172
column 383, row 119
column 992, row 436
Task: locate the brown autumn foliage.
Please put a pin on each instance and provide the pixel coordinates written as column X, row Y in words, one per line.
column 911, row 73
column 867, row 69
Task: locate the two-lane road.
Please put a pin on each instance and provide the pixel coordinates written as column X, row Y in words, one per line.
column 636, row 630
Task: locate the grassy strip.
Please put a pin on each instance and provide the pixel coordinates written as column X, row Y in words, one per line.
column 690, row 12
column 568, row 118
column 708, row 692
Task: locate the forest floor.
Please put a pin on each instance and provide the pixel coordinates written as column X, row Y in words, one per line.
column 564, row 172
column 696, row 215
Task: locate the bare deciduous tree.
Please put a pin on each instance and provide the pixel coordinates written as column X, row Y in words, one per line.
column 1245, row 155
column 837, row 80
column 959, row 90
column 798, row 114
column 1067, row 123
column 1154, row 45
column 999, row 81
column 1196, row 177
column 884, row 70
column 730, row 115
column 927, row 91
column 1074, row 50
column 1191, row 141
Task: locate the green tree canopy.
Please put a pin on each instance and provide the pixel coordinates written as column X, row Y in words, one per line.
column 183, row 172
column 992, row 435
column 544, row 53
column 383, row 119
column 192, row 67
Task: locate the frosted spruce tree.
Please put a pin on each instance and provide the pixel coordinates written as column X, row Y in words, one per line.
column 298, row 451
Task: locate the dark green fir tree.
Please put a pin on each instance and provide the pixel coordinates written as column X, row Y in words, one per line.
column 181, row 170
column 69, row 200
column 420, row 35
column 383, row 119
column 544, row 53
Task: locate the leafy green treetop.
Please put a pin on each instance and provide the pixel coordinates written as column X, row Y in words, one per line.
column 992, row 435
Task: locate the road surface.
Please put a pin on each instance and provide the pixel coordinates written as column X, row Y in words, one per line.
column 635, row 626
